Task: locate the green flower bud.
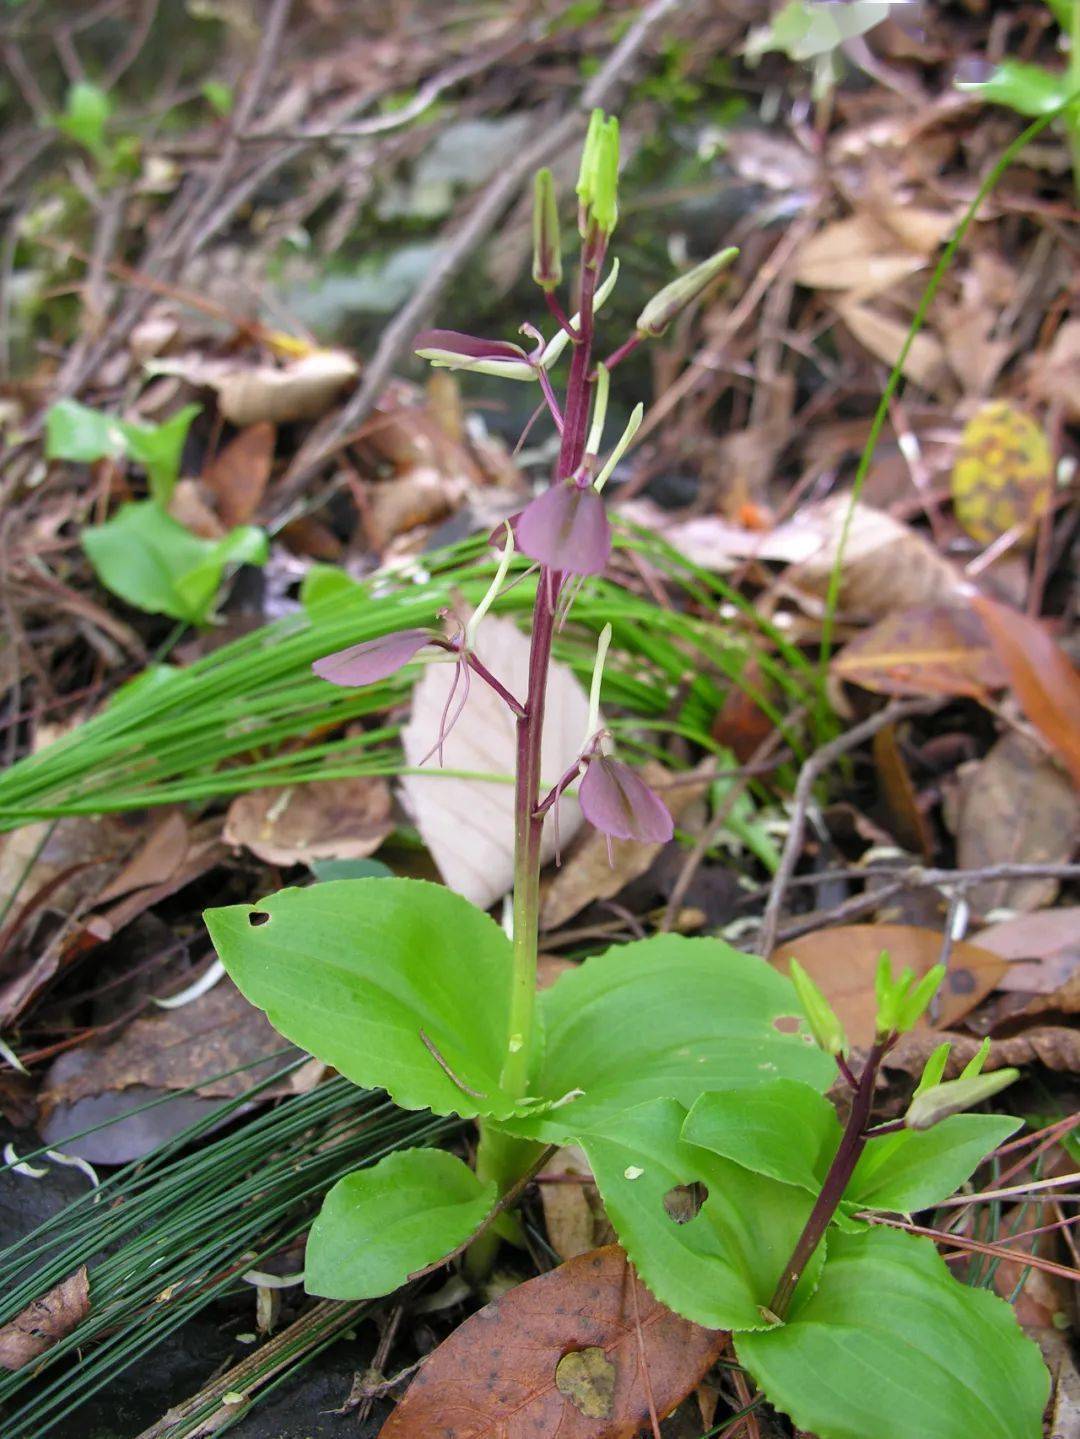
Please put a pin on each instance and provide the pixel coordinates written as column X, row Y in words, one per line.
column 974, row 1066
column 547, row 250
column 953, row 1097
column 901, row 1002
column 934, row 1068
column 820, row 1015
column 598, row 179
column 664, row 306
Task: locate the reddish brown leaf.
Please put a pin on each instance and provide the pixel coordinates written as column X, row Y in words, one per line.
column 238, row 474
column 1045, row 683
column 507, row 1372
column 45, row 1321
column 908, row 823
column 843, row 961
column 929, row 650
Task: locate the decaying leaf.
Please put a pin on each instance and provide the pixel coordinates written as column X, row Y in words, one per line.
column 928, row 650
column 572, row 1211
column 907, row 820
column 859, row 255
column 884, row 337
column 507, row 1372
column 253, row 394
column 1055, row 1046
column 843, row 962
column 45, row 1321
column 1004, row 473
column 238, row 474
column 417, row 496
column 468, row 824
column 1043, row 949
column 1015, row 807
column 324, row 819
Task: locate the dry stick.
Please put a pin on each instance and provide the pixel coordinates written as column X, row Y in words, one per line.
column 810, row 773
column 395, row 339
column 959, row 1241
column 645, row 1376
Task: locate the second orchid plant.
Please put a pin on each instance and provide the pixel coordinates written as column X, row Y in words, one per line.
column 678, row 1065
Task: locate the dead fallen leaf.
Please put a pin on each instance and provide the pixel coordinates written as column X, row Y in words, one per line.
column 1045, row 683
column 324, row 819
column 928, row 650
column 417, row 496
column 843, row 961
column 1015, row 807
column 570, row 1210
column 156, row 860
column 1003, row 476
column 468, row 824
column 238, row 474
column 255, row 393
column 884, row 337
column 504, row 1372
column 45, row 1321
column 1056, row 1047
column 908, row 822
column 1055, row 374
column 1043, row 949
column 855, row 254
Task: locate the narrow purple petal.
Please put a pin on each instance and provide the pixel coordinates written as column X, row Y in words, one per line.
column 373, row 660
column 566, row 528
column 469, row 347
column 619, row 803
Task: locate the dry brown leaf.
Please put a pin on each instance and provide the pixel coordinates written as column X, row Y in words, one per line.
column 156, row 860
column 569, row 1216
column 188, row 507
column 927, row 650
column 1055, row 1046
column 843, row 962
column 504, row 1373
column 925, row 364
column 1055, row 375
column 323, row 819
column 255, row 393
column 238, row 474
column 857, row 255
column 1034, row 936
column 1015, row 807
column 907, row 820
column 468, row 824
column 45, row 1321
column 416, row 497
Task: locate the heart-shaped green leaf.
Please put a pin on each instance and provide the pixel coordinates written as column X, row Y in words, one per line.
column 719, row 1267
column 1028, row 89
column 379, row 1225
column 891, row 1346
column 912, row 1169
column 783, row 1129
column 399, row 984
column 667, row 1017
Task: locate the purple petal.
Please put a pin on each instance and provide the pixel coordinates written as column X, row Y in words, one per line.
column 566, row 528
column 469, row 347
column 373, row 660
column 621, row 805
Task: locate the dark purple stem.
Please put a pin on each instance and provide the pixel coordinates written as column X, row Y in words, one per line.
column 845, row 1069
column 511, row 701
column 553, row 794
column 626, row 348
column 560, row 315
column 847, row 1155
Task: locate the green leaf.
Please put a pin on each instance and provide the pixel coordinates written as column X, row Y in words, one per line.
column 86, row 113
column 785, row 1130
column 379, row 1225
column 325, row 869
column 353, row 970
column 890, row 1345
column 75, row 432
column 218, row 96
column 667, row 1017
column 720, row 1267
column 912, row 1170
column 149, row 559
column 159, row 449
column 1027, row 89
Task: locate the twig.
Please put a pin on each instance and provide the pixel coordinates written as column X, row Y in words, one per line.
column 643, row 1357
column 810, row 773
column 977, row 1246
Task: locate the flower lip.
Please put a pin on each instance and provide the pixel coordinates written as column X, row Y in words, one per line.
column 374, row 660
column 467, row 347
column 566, row 528
column 618, row 802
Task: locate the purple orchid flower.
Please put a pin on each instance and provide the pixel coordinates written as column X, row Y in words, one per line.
column 452, row 350
column 374, row 660
column 567, row 529
column 618, row 802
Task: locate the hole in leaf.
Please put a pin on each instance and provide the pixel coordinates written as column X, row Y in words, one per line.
column 684, row 1202
column 257, row 917
column 786, row 1023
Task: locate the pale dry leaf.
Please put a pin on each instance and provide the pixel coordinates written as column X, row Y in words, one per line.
column 156, row 860
column 468, row 824
column 188, row 508
column 45, row 1320
column 255, row 393
column 323, row 819
column 1055, row 375
column 237, row 476
column 1056, row 1046
column 417, row 496
column 855, row 254
column 925, row 364
column 568, row 1214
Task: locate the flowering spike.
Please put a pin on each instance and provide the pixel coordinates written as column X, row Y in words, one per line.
column 664, row 306
column 559, row 341
column 566, row 528
column 619, row 803
column 451, row 350
column 547, row 249
column 632, row 427
column 954, row 1096
column 374, row 660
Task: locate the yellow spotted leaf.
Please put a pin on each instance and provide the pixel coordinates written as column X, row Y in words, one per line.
column 1003, row 473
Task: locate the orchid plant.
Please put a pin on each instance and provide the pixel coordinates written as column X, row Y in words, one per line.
column 678, row 1065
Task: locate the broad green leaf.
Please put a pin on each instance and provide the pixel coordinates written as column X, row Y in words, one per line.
column 218, row 96
column 667, row 1017
column 86, row 113
column 911, row 1170
column 75, row 432
column 379, row 1225
column 807, row 28
column 153, row 562
column 359, row 971
column 1027, row 89
column 325, row 869
column 720, row 1267
column 891, row 1346
column 783, row 1129
column 159, row 449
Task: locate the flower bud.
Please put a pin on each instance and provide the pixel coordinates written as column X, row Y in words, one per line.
column 598, row 179
column 820, row 1015
column 374, row 660
column 451, row 350
column 901, row 1002
column 664, row 306
column 619, row 803
column 566, row 528
column 954, row 1096
column 547, row 249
